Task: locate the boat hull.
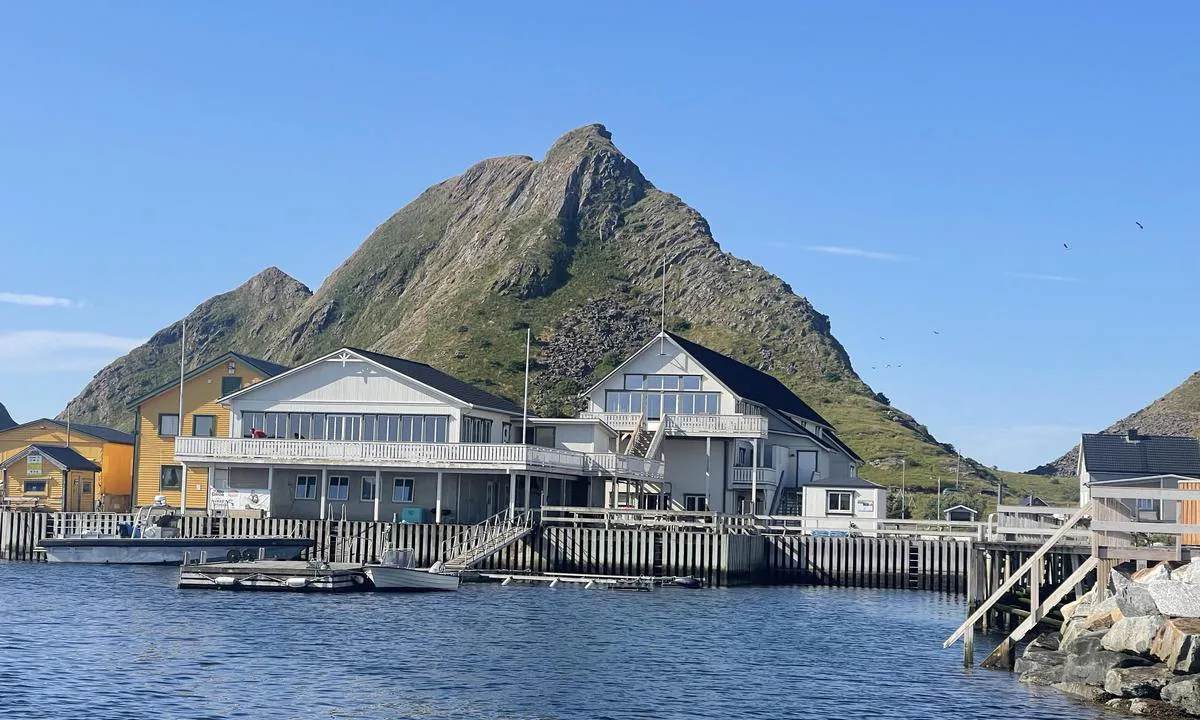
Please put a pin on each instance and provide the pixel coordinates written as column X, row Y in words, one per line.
column 398, row 579
column 166, row 551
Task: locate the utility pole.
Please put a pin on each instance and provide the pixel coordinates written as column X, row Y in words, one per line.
column 939, row 500
column 903, row 472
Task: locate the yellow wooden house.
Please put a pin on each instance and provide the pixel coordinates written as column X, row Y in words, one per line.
column 110, row 450
column 157, row 423
column 53, row 477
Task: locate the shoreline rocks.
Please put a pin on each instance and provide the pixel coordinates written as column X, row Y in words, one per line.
column 1137, row 651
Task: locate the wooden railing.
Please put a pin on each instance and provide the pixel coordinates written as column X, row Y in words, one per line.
column 749, row 426
column 628, row 517
column 924, row 529
column 501, row 456
column 1033, row 524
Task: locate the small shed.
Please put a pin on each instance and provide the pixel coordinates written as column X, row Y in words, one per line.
column 960, row 513
column 49, row 476
column 1033, row 501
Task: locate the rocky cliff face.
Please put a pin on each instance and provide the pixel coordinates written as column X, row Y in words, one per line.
column 243, row 319
column 571, row 246
column 1176, row 413
column 6, row 420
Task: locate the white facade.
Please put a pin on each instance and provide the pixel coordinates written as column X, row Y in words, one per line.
column 350, row 436
column 721, row 448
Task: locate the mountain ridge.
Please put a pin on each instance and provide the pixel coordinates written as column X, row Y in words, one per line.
column 572, row 246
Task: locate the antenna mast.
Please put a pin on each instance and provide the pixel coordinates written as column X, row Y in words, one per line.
column 662, row 321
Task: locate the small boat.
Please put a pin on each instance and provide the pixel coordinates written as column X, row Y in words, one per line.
column 395, row 572
column 152, row 538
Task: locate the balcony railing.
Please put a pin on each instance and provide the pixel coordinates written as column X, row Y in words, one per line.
column 475, row 456
column 741, row 478
column 747, row 426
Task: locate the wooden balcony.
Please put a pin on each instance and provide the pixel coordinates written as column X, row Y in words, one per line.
column 478, row 457
column 741, row 478
column 739, row 426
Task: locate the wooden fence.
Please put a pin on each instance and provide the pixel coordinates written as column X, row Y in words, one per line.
column 881, row 562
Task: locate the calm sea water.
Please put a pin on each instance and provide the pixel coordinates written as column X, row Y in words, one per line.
column 114, row 642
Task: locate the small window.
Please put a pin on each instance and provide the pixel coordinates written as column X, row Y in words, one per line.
column 306, row 487
column 339, row 488
column 170, row 477
column 230, row 385
column 506, row 432
column 368, row 488
column 35, row 487
column 695, row 503
column 168, row 425
column 402, row 490
column 838, row 502
column 1147, row 505
column 204, row 425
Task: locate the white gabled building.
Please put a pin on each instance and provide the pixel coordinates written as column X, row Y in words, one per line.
column 362, row 435
column 727, row 431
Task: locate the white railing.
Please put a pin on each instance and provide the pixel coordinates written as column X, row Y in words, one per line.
column 741, row 479
column 474, row 543
column 750, row 426
column 629, row 466
column 451, row 455
column 69, row 524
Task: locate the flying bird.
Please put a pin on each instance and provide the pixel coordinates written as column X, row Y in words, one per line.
column 1135, row 222
column 882, row 337
column 1066, row 246
column 935, row 332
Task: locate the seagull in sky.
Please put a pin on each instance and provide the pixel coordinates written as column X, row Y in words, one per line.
column 1135, row 222
column 935, row 332
column 1066, row 246
column 882, row 337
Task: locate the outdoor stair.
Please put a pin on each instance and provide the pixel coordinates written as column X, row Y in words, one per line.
column 656, row 441
column 484, row 540
column 639, row 439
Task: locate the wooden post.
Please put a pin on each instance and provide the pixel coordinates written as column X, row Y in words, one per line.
column 512, row 494
column 378, row 493
column 437, row 512
column 754, row 478
column 270, row 485
column 1035, row 587
column 708, row 473
column 528, row 487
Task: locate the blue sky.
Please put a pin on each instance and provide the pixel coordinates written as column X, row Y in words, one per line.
column 908, row 167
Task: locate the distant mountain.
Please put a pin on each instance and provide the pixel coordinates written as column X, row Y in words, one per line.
column 571, row 246
column 6, row 420
column 244, row 319
column 1176, row 413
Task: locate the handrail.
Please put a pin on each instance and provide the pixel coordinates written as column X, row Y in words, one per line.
column 1026, row 566
column 1045, row 606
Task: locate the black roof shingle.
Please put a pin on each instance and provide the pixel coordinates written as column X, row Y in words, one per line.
column 439, row 380
column 748, row 382
column 97, row 431
column 1148, row 455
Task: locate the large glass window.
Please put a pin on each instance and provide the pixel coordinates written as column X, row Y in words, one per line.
column 660, row 395
column 306, row 487
column 339, row 488
column 342, row 426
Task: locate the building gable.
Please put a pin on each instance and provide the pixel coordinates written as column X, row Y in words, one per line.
column 250, row 369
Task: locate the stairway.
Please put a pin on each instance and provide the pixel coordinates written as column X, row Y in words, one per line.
column 484, row 540
column 791, row 502
column 639, row 440
column 914, row 567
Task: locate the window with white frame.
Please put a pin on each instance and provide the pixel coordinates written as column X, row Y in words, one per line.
column 168, row 424
column 838, row 501
column 306, row 487
column 339, row 488
column 402, row 490
column 476, row 430
column 658, row 395
column 695, row 503
column 368, row 488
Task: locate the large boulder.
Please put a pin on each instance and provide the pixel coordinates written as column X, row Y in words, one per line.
column 1161, row 571
column 1103, row 615
column 1132, row 598
column 1092, row 668
column 1189, row 573
column 1045, row 641
column 1175, row 598
column 1038, row 659
column 1146, row 706
column 1077, row 641
column 1133, row 634
column 1138, row 682
column 1184, row 695
column 1178, row 644
column 1083, row 692
column 1048, row 675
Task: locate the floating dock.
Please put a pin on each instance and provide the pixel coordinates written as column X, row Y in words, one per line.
column 294, row 576
column 589, row 582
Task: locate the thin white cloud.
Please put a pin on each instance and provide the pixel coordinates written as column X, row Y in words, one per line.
column 1044, row 278
column 856, row 252
column 26, row 349
column 36, row 300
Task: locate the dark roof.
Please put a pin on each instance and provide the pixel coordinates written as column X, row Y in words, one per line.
column 267, row 368
column 99, row 432
column 1033, row 501
column 846, row 482
column 439, row 380
column 64, row 457
column 1149, row 455
column 749, row 383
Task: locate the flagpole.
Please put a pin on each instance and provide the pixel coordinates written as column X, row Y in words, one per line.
column 179, row 430
column 525, row 406
column 662, row 320
column 68, row 424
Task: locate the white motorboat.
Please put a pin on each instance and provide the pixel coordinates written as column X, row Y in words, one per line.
column 152, row 538
column 395, row 572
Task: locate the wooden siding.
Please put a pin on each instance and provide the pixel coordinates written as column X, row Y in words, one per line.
column 50, row 473
column 115, row 459
column 200, row 395
column 1189, row 514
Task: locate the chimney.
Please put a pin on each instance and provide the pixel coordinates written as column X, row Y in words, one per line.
column 1131, row 435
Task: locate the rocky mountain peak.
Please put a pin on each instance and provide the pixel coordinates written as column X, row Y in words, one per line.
column 6, row 420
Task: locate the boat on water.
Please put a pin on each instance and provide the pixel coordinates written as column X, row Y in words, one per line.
column 152, row 538
column 395, row 572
